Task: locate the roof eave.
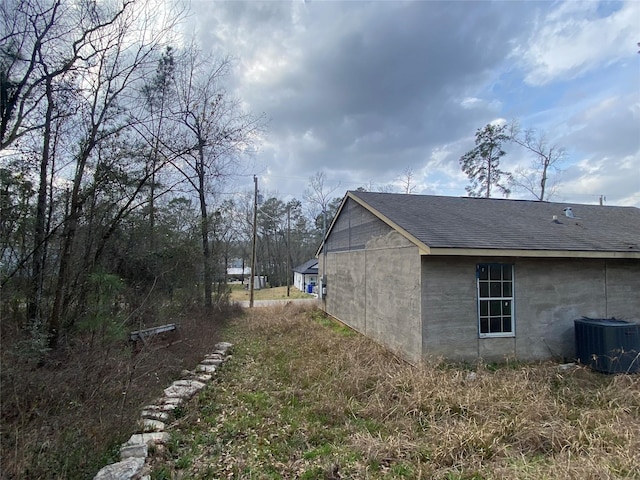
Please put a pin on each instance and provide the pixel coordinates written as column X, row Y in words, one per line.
column 326, row 235
column 493, row 252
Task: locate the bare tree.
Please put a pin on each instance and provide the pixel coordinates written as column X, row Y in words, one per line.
column 214, row 134
column 29, row 32
column 318, row 198
column 45, row 41
column 158, row 95
column 112, row 51
column 407, row 181
column 40, row 51
column 547, row 157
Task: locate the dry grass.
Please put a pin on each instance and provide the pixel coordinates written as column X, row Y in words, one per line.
column 306, row 398
column 64, row 416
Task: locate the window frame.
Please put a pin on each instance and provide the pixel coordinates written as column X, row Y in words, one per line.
column 501, row 298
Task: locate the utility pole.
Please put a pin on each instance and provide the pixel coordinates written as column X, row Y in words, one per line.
column 323, row 280
column 288, row 249
column 255, row 236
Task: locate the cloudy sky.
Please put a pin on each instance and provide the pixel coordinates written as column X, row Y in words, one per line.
column 366, row 91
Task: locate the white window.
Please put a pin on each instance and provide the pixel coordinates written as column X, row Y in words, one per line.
column 495, row 299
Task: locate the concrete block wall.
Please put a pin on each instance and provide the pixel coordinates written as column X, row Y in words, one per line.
column 424, row 307
column 376, row 291
column 346, row 298
column 550, row 293
column 393, row 295
column 623, row 290
column 449, row 306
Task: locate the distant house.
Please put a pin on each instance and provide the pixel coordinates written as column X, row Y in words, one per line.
column 243, row 275
column 305, row 275
column 468, row 278
column 238, row 274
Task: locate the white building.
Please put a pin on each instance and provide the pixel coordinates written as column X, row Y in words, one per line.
column 306, row 275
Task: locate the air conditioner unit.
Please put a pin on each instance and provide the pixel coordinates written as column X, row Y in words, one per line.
column 608, row 345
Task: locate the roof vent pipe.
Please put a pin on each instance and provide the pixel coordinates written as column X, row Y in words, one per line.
column 569, row 213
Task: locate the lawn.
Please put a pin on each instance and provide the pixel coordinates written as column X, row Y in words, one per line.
column 238, row 293
column 304, row 397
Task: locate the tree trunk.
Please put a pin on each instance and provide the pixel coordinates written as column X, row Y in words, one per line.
column 204, row 229
column 39, row 236
column 68, row 237
column 543, row 180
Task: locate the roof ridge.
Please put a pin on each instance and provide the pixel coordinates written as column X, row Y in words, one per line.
column 359, row 193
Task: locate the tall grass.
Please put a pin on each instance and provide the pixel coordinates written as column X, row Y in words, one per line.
column 304, row 397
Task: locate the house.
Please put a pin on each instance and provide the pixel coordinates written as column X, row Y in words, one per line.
column 238, row 274
column 305, row 275
column 468, row 278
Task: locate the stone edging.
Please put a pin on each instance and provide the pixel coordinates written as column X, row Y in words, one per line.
column 134, row 452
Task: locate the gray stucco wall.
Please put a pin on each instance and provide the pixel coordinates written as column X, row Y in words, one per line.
column 549, row 295
column 377, row 292
column 623, row 290
column 345, row 298
column 450, row 323
column 392, row 295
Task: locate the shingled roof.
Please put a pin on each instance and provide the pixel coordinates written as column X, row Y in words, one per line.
column 310, row 267
column 437, row 222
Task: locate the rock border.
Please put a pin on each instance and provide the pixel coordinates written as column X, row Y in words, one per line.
column 134, row 453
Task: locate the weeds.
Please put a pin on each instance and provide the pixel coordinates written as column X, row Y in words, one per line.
column 65, row 413
column 302, row 399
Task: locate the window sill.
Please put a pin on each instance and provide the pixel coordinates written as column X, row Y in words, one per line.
column 483, row 336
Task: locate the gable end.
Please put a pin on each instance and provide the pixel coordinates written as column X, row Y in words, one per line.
column 354, row 227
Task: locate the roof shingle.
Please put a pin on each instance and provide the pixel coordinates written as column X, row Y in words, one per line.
column 486, row 223
column 308, row 268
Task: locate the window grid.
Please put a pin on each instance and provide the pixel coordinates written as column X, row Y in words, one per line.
column 495, row 300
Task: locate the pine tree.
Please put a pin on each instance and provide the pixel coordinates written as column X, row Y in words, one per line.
column 482, row 164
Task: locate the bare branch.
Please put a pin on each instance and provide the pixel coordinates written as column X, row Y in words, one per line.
column 546, row 162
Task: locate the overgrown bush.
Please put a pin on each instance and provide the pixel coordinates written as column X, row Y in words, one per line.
column 65, row 413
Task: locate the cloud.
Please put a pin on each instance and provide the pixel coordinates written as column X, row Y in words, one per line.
column 617, row 179
column 364, row 90
column 577, row 37
column 608, row 127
